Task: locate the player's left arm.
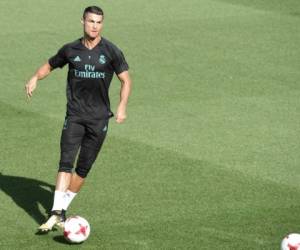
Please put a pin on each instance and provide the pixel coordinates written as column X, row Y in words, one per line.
column 125, row 80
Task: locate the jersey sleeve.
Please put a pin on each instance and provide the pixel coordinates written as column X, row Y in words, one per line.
column 59, row 60
column 119, row 63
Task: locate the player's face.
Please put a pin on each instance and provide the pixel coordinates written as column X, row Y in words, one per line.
column 92, row 25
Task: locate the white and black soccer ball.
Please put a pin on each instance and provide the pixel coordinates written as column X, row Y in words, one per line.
column 291, row 242
column 76, row 229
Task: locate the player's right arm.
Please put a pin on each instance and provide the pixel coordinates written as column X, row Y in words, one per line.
column 41, row 73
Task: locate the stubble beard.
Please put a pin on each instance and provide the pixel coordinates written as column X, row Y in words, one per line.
column 91, row 38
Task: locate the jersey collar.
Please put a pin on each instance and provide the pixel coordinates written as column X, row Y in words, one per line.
column 78, row 44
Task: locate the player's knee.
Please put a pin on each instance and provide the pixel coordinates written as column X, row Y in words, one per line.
column 85, row 160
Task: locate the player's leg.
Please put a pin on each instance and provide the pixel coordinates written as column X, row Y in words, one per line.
column 63, row 180
column 71, row 137
column 90, row 147
column 74, row 187
column 76, row 183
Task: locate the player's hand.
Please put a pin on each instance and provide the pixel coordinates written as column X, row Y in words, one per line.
column 30, row 86
column 121, row 115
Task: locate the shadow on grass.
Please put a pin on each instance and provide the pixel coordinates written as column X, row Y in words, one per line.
column 61, row 239
column 28, row 194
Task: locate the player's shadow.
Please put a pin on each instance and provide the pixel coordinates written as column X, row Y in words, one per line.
column 28, row 194
column 61, row 239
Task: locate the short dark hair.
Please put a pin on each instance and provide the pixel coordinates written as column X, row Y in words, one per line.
column 93, row 9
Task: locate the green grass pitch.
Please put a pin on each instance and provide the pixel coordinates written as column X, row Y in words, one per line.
column 209, row 157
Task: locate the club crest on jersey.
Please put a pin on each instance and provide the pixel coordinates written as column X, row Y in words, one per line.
column 102, row 59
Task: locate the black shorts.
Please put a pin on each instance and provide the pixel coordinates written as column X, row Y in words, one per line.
column 86, row 135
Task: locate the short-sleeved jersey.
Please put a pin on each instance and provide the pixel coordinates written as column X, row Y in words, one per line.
column 89, row 76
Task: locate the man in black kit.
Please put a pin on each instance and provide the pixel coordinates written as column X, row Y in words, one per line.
column 92, row 62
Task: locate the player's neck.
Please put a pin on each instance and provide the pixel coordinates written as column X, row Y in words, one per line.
column 90, row 43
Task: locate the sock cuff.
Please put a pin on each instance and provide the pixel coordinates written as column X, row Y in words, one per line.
column 70, row 193
column 57, row 192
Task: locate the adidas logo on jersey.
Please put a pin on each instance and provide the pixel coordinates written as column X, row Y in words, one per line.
column 77, row 59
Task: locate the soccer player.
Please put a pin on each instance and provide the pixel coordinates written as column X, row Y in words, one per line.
column 92, row 62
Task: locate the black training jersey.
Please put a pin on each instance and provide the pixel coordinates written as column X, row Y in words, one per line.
column 89, row 76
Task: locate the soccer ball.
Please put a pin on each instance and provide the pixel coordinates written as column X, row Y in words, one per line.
column 76, row 229
column 291, row 242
